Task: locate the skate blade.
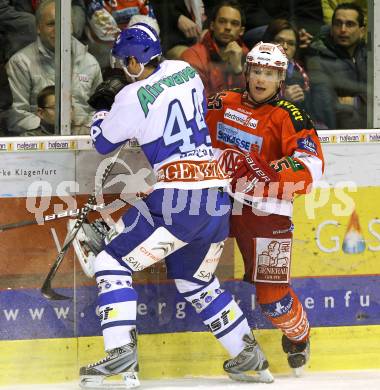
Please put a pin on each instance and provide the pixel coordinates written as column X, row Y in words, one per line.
column 131, row 380
column 298, row 372
column 263, row 376
column 89, row 382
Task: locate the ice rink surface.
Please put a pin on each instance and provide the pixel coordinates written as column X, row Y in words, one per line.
column 342, row 380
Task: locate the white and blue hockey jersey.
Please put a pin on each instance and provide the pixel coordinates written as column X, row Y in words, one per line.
column 166, row 114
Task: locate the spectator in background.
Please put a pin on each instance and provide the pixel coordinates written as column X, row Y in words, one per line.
column 181, row 24
column 220, row 55
column 306, row 15
column 328, row 7
column 5, row 92
column 78, row 15
column 151, row 22
column 297, row 83
column 33, row 68
column 45, row 111
column 338, row 71
column 17, row 29
column 105, row 20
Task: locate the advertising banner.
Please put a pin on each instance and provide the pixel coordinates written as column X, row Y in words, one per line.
column 335, row 262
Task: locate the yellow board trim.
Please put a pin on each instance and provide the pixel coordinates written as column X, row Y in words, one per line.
column 184, row 354
column 308, row 260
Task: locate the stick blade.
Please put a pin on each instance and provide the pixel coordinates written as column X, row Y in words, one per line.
column 52, row 295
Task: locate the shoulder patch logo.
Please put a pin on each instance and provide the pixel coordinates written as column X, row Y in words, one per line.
column 307, row 144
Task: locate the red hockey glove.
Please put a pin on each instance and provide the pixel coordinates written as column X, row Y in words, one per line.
column 254, row 169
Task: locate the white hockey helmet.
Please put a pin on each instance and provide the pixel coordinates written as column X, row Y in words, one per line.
column 269, row 55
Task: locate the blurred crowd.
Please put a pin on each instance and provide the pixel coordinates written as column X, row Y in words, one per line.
column 324, row 40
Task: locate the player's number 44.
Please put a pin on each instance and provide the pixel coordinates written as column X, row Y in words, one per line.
column 178, row 128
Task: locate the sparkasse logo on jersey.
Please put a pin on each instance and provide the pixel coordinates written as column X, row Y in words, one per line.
column 233, row 136
column 238, row 117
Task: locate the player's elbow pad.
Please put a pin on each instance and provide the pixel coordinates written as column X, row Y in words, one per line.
column 104, row 146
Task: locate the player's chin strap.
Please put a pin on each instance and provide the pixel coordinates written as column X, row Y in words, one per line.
column 134, row 77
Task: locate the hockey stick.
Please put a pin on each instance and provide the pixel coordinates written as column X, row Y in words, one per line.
column 46, row 289
column 51, row 217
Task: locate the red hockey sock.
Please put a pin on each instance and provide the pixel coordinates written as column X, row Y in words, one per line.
column 283, row 309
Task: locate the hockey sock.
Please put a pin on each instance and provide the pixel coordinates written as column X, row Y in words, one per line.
column 117, row 301
column 219, row 312
column 283, row 309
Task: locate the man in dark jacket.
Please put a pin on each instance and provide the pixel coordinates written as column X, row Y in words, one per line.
column 338, row 71
column 5, row 91
column 17, row 29
column 219, row 56
column 180, row 23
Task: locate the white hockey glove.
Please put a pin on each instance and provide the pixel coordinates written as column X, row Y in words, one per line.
column 89, row 241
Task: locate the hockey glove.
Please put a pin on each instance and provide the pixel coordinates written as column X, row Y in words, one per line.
column 253, row 169
column 105, row 93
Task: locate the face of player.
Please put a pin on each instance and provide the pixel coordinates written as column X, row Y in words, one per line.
column 288, row 40
column 263, row 83
column 46, row 27
column 227, row 26
column 345, row 29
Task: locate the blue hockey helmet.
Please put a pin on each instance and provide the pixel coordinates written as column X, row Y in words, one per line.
column 140, row 41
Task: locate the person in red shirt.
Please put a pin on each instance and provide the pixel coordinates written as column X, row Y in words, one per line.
column 271, row 150
column 219, row 56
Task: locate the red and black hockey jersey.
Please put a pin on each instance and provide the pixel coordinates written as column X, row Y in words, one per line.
column 283, row 135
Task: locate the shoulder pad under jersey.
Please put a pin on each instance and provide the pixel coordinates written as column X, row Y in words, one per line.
column 300, row 119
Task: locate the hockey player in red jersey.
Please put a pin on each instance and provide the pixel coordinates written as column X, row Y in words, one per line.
column 271, row 150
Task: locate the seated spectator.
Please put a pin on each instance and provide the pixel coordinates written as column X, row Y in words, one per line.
column 220, row 55
column 45, row 111
column 33, row 68
column 297, row 83
column 5, row 92
column 17, row 28
column 181, row 24
column 152, row 22
column 105, row 21
column 121, row 12
column 78, row 15
column 306, row 15
column 338, row 71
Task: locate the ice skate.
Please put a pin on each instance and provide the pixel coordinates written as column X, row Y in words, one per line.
column 119, row 361
column 298, row 354
column 251, row 358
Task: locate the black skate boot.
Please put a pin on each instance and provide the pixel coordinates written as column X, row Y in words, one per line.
column 298, row 354
column 251, row 358
column 119, row 361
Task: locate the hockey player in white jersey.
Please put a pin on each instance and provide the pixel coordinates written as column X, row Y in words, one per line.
column 163, row 107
